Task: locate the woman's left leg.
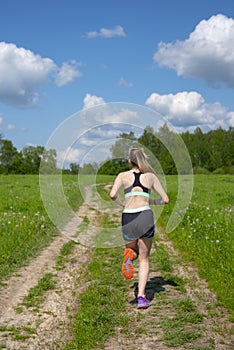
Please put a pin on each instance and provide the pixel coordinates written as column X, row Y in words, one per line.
column 143, row 274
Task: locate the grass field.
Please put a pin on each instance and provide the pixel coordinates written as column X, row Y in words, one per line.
column 24, row 224
column 205, row 236
column 206, row 233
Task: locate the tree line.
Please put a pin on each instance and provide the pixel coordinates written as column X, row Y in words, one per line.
column 26, row 161
column 211, row 152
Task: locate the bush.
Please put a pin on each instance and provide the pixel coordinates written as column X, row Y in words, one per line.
column 200, row 170
column 219, row 171
column 231, row 170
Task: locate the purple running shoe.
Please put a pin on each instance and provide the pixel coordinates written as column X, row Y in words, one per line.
column 143, row 303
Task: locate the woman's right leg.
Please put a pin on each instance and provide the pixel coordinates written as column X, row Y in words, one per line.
column 130, row 254
column 133, row 245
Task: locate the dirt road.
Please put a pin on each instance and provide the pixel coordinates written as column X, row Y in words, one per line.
column 48, row 327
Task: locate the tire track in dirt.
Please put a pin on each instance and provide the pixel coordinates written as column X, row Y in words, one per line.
column 51, row 322
column 144, row 332
column 145, row 328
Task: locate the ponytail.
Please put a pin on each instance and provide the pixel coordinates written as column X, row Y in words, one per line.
column 138, row 158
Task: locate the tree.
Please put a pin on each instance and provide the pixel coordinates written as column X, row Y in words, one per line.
column 48, row 162
column 7, row 154
column 113, row 167
column 87, row 169
column 32, row 159
column 120, row 150
column 74, row 168
column 228, row 148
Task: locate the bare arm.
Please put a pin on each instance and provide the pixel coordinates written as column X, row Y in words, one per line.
column 158, row 201
column 115, row 189
column 159, row 189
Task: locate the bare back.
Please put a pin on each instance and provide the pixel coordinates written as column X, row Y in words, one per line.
column 148, row 180
column 137, row 200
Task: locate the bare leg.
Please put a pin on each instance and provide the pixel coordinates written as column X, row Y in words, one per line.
column 133, row 245
column 143, row 274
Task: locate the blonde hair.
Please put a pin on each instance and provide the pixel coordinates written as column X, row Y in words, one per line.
column 137, row 157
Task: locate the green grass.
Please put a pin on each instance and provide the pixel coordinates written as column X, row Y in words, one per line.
column 25, row 228
column 36, row 295
column 102, row 306
column 177, row 330
column 206, row 233
column 163, row 260
column 205, row 236
column 63, row 256
column 17, row 333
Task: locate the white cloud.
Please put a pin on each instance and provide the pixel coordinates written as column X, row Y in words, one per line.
column 106, row 33
column 123, row 82
column 67, row 73
column 70, row 155
column 231, row 118
column 189, row 109
column 92, row 100
column 23, row 72
column 105, row 113
column 11, row 127
column 124, row 116
column 207, row 54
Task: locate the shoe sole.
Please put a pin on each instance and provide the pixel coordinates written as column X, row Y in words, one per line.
column 127, row 267
column 143, row 307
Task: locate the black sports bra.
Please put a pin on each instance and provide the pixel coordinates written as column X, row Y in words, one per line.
column 145, row 191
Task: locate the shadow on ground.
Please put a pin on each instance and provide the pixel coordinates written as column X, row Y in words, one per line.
column 154, row 285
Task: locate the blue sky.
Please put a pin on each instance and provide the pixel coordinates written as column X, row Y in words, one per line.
column 58, row 57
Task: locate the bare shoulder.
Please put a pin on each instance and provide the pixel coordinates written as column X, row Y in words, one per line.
column 150, row 176
column 123, row 175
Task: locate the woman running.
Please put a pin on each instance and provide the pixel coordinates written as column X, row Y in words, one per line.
column 138, row 222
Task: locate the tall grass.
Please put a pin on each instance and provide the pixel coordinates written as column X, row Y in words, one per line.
column 102, row 305
column 206, row 234
column 25, row 227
